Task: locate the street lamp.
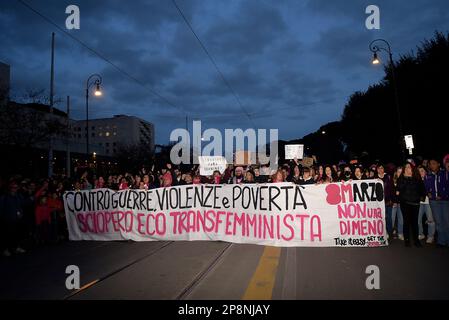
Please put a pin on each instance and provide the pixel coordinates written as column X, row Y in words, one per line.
column 382, row 45
column 375, row 59
column 96, row 80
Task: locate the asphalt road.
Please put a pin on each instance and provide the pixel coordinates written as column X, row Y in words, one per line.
column 220, row 270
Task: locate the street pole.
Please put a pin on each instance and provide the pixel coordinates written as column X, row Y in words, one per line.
column 68, row 161
column 375, row 49
column 52, row 78
column 396, row 99
column 96, row 82
column 87, row 121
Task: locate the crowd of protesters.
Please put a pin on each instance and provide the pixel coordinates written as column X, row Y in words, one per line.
column 416, row 196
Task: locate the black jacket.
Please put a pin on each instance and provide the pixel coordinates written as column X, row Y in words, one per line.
column 411, row 190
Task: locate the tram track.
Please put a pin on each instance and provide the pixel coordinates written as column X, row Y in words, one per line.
column 110, row 274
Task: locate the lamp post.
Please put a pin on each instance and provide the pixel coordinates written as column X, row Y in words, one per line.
column 382, row 45
column 96, row 80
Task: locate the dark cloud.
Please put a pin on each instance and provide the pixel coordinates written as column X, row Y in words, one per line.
column 291, row 63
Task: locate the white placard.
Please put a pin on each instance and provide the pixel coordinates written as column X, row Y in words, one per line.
column 209, row 164
column 409, row 141
column 293, row 151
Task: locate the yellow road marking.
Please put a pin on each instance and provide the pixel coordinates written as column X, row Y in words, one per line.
column 88, row 285
column 261, row 285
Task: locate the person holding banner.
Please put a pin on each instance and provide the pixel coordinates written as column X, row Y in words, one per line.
column 306, row 178
column 411, row 192
column 238, row 176
column 295, row 177
column 216, row 177
column 346, row 175
column 358, row 173
column 278, row 177
column 380, row 174
column 329, row 175
column 258, row 178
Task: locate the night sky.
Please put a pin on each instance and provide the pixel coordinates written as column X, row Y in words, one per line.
column 293, row 64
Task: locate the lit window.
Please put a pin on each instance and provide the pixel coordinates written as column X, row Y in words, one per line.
column 115, row 133
column 100, row 134
column 107, row 134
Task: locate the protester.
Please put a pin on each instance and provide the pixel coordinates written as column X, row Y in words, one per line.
column 346, row 174
column 57, row 216
column 196, row 180
column 411, row 192
column 396, row 212
column 320, row 174
column 259, row 177
column 358, row 173
column 306, row 178
column 296, row 176
column 137, row 181
column 437, row 189
column 167, row 179
column 123, row 184
column 100, row 183
column 43, row 220
column 380, row 174
column 329, row 175
column 11, row 220
column 424, row 209
column 278, row 176
column 249, row 177
column 238, row 176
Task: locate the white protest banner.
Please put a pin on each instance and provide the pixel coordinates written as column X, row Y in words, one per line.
column 209, row 164
column 293, row 151
column 280, row 214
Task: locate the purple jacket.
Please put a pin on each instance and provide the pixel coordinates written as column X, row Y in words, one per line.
column 437, row 184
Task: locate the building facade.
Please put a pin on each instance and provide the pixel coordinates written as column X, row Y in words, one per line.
column 107, row 135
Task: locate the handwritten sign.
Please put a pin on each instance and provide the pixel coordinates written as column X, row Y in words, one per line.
column 209, row 164
column 282, row 214
column 293, row 151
